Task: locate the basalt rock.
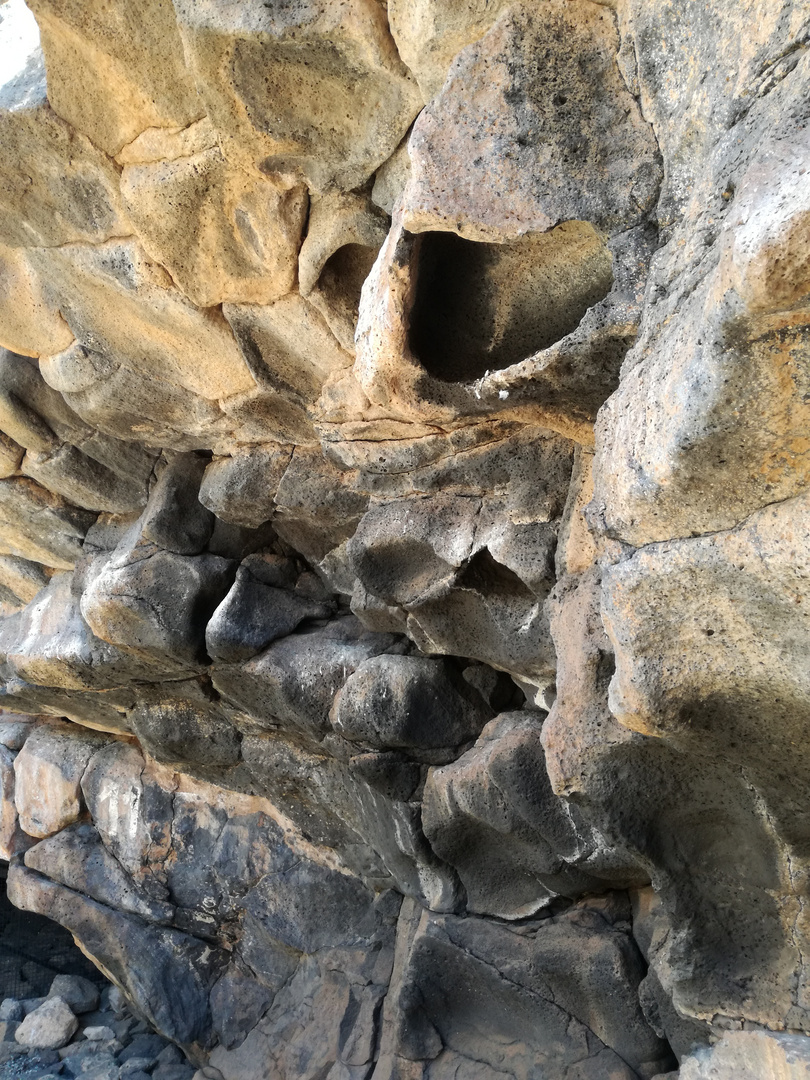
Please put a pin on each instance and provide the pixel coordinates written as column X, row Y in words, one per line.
column 404, row 530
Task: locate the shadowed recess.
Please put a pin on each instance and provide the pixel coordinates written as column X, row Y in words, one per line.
column 483, row 307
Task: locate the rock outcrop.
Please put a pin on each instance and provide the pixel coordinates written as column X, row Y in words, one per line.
column 404, row 533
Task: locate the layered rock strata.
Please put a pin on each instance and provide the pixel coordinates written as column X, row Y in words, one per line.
column 404, row 527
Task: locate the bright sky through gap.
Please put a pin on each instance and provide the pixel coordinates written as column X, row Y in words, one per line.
column 19, row 35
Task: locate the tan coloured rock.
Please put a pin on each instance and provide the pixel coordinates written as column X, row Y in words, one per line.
column 147, row 364
column 537, row 112
column 576, row 549
column 56, row 187
column 13, row 840
column 315, row 90
column 22, row 578
column 63, row 453
column 11, row 456
column 291, row 353
column 115, row 70
column 167, row 144
column 445, row 332
column 391, row 178
column 751, row 1055
column 28, row 324
column 222, row 234
column 710, row 422
column 40, row 526
column 344, row 235
column 48, row 772
column 429, row 34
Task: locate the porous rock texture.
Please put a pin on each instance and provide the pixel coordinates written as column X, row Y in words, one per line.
column 404, row 527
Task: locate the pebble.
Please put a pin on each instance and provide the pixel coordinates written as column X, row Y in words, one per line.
column 170, row 1055
column 138, row 1064
column 49, row 1027
column 79, row 993
column 11, row 1009
column 100, row 1032
column 111, row 1044
column 8, row 1029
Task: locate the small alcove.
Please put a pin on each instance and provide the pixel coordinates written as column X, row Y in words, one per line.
column 482, row 307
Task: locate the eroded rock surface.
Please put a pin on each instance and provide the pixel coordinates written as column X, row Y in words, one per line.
column 404, row 530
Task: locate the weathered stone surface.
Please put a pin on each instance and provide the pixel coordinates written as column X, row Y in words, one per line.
column 241, row 488
column 744, row 1054
column 12, row 839
column 77, row 992
column 62, row 453
column 139, row 956
column 48, row 1027
column 292, row 683
column 254, row 614
column 404, row 702
column 344, row 234
column 49, row 644
column 76, row 857
column 291, row 352
column 113, row 72
column 21, row 579
column 133, row 328
column 29, row 323
column 436, row 559
column 458, row 558
column 728, row 300
column 493, row 815
column 317, row 511
column 39, row 526
column 175, row 520
column 469, row 986
column 55, row 185
column 156, row 603
column 222, row 234
column 304, row 119
column 429, row 34
column 551, row 364
column 578, row 147
column 48, row 774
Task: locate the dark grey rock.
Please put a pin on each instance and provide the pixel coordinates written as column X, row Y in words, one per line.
column 402, row 702
column 175, row 519
column 136, row 1065
column 167, row 973
column 559, row 992
column 173, row 1072
column 292, row 683
column 494, row 816
column 8, row 1029
column 254, row 614
column 143, row 1046
column 170, row 1055
column 179, row 723
column 156, row 602
column 79, row 993
column 11, row 1009
column 238, row 1002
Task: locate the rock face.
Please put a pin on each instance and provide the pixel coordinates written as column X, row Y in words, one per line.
column 404, row 530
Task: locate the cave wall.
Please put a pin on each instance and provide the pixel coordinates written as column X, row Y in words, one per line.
column 405, row 528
